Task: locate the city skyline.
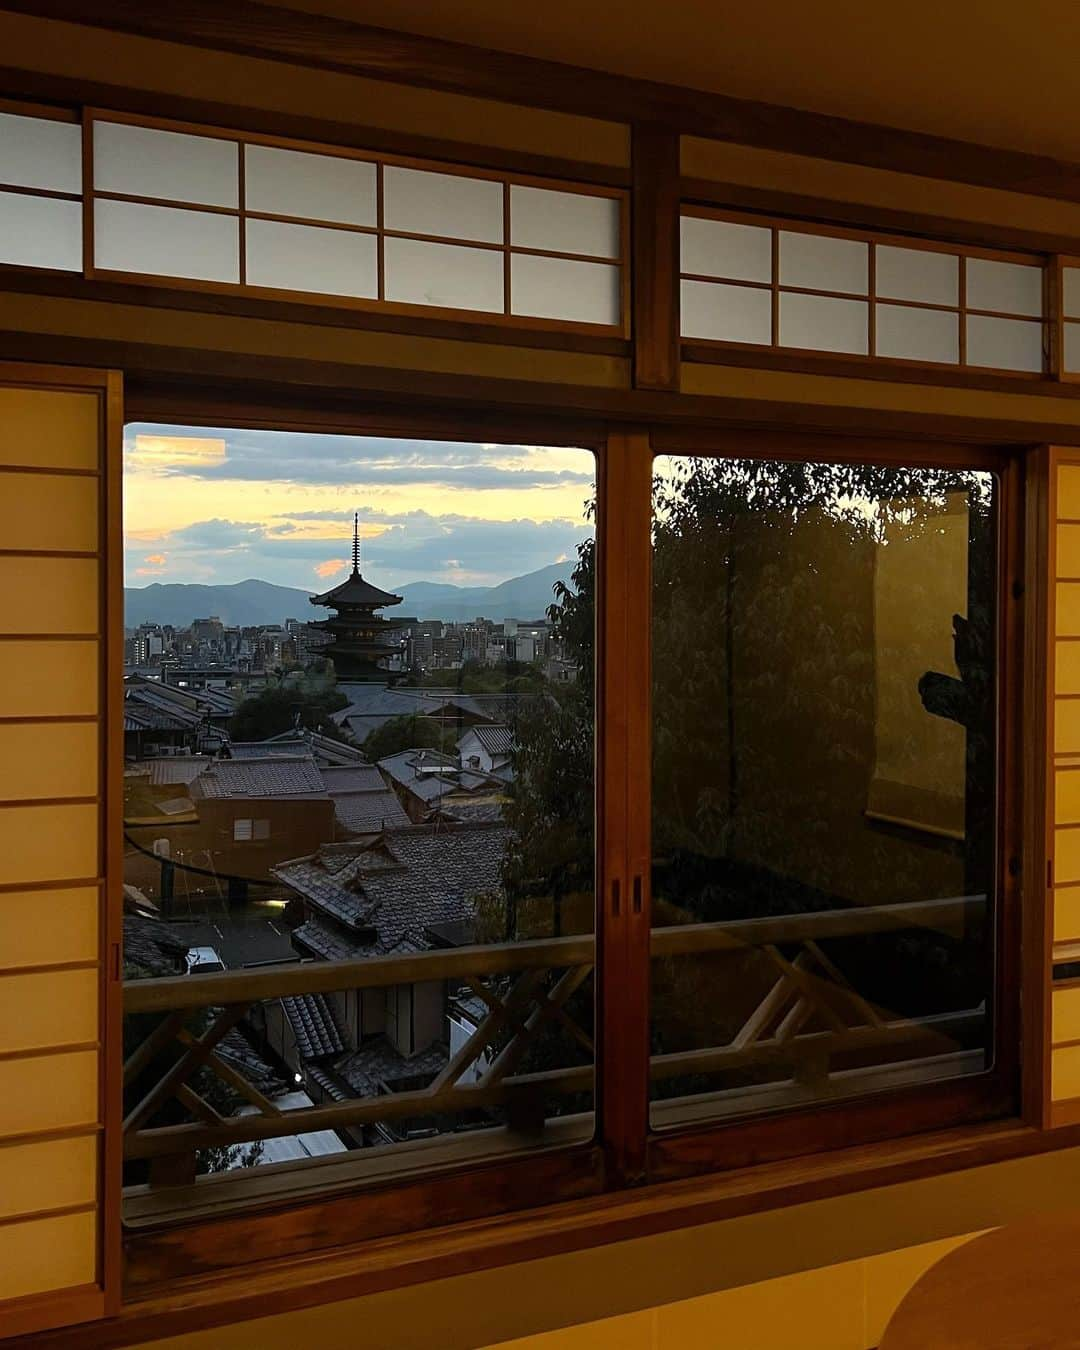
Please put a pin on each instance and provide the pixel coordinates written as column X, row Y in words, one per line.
column 217, row 506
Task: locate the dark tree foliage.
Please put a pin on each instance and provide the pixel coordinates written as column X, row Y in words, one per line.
column 411, row 731
column 304, row 700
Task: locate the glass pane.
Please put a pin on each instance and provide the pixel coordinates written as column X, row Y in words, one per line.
column 41, row 232
column 725, row 313
column 562, row 288
column 143, row 162
column 419, row 273
column 166, row 241
column 718, row 248
column 564, row 222
column 824, row 324
column 917, row 334
column 36, row 152
column 821, row 263
column 823, row 781
column 1009, row 288
column 306, row 258
column 313, row 187
column 443, row 204
column 917, row 274
column 1072, row 347
column 387, row 772
column 1006, row 344
column 1070, row 291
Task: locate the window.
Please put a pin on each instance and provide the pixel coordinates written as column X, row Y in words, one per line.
column 214, row 208
column 776, row 284
column 358, row 737
column 824, row 799
column 41, row 191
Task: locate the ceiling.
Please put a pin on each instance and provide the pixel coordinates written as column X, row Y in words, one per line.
column 999, row 73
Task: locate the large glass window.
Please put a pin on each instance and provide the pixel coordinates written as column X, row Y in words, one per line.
column 824, row 717
column 358, row 696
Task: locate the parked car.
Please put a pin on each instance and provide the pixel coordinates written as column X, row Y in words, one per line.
column 202, row 961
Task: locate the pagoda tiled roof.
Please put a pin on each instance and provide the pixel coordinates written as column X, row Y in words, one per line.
column 354, row 590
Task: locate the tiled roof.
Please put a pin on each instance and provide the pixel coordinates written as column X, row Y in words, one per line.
column 292, row 748
column 390, row 894
column 260, row 778
column 377, row 1064
column 369, row 812
column 354, row 778
column 168, row 770
column 312, row 1020
column 495, row 737
column 406, row 768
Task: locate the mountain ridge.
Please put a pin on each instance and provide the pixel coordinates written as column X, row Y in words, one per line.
column 253, row 602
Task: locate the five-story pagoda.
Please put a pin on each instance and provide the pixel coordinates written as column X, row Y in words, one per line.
column 356, row 631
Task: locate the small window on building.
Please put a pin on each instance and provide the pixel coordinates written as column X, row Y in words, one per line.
column 242, row 831
column 262, row 829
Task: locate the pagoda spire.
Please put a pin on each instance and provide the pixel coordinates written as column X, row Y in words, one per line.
column 356, row 544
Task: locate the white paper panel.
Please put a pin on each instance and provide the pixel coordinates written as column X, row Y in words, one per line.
column 562, row 288
column 446, row 275
column 47, row 511
column 1010, row 288
column 1006, row 344
column 52, row 1174
column 48, row 760
column 49, row 1092
column 1072, row 347
column 443, row 204
column 564, row 222
column 47, row 1008
column 50, row 596
column 1070, row 291
column 725, row 313
column 171, row 165
column 315, row 187
column 307, row 258
column 70, row 935
column 48, row 428
column 822, row 323
column 917, row 334
column 41, row 232
column 916, row 274
column 720, row 248
column 822, row 263
column 166, row 241
column 37, row 152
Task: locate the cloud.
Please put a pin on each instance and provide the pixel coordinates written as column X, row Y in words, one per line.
column 367, row 461
column 397, row 549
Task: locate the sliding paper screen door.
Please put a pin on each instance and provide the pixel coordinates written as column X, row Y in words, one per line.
column 59, row 938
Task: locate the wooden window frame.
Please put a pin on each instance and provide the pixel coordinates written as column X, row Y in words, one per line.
column 623, row 1150
column 378, row 305
column 873, row 239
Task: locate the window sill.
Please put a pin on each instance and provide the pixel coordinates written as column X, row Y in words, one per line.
column 278, row 1285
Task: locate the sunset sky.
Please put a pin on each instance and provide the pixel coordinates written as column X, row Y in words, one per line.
column 219, row 506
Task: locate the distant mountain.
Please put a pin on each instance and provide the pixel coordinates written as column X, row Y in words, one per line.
column 250, row 603
column 245, row 603
column 524, row 597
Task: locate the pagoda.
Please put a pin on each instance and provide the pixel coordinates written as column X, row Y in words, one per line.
column 356, row 632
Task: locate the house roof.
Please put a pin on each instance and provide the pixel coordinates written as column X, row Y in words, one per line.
column 378, row 1065
column 495, row 737
column 286, row 776
column 389, row 894
column 168, row 770
column 369, row 812
column 311, row 1017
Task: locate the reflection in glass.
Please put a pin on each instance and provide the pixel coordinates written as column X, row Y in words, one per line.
column 823, row 781
column 391, row 772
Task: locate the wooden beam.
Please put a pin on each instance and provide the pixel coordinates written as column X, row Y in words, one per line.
column 654, row 273
column 323, row 42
